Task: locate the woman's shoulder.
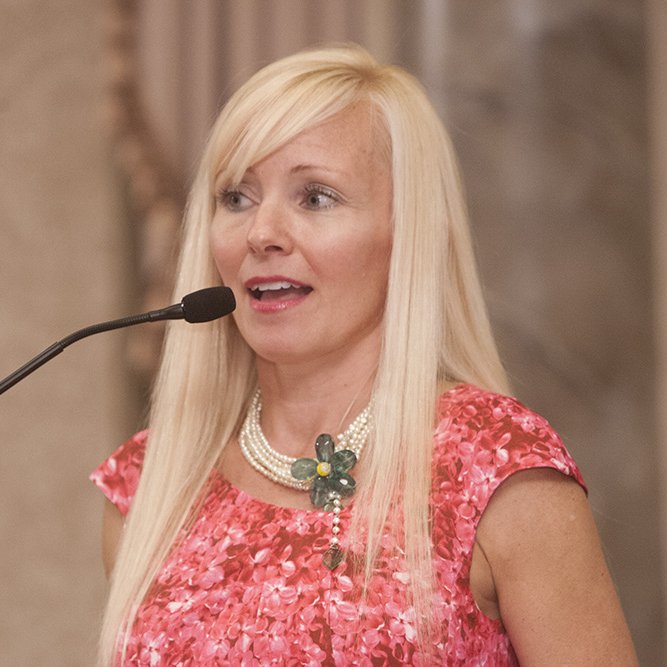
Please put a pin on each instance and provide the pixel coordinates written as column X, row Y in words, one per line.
column 118, row 475
column 483, row 433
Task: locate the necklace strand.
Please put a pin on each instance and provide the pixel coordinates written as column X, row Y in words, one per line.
column 276, row 466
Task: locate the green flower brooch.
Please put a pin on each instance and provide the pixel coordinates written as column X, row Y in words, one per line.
column 330, row 482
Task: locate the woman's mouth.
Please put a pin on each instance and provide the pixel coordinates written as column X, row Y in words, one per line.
column 278, row 291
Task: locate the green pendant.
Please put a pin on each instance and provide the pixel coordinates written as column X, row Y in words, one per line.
column 333, row 557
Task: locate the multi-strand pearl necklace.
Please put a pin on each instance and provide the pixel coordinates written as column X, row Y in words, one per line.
column 278, row 467
column 326, row 477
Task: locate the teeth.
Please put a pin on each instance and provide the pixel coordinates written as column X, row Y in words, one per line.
column 279, row 284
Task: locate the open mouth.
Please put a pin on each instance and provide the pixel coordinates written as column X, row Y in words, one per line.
column 278, row 291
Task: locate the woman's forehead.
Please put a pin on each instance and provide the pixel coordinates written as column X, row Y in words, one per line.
column 352, row 132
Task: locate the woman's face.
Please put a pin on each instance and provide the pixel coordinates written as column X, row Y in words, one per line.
column 304, row 242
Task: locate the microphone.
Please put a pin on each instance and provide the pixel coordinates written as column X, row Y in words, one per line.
column 204, row 305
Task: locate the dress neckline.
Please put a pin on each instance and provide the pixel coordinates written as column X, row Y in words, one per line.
column 219, row 478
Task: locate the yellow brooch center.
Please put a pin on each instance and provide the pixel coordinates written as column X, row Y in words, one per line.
column 323, row 468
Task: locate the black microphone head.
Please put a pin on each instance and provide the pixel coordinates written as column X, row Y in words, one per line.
column 208, row 304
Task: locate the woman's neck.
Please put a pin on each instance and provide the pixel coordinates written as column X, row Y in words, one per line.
column 301, row 401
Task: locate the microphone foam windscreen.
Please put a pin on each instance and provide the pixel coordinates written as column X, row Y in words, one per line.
column 208, row 304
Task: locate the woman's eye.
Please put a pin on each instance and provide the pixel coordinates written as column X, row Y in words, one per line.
column 317, row 198
column 233, row 200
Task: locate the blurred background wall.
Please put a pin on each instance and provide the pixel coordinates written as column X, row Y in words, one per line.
column 559, row 114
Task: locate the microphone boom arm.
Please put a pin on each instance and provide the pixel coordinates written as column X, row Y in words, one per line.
column 174, row 312
column 204, row 305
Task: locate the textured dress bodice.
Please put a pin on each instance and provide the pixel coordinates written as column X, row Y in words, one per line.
column 246, row 584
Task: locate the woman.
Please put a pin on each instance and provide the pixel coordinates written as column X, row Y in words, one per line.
column 328, row 200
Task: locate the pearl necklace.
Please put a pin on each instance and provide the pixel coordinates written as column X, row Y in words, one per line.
column 278, row 467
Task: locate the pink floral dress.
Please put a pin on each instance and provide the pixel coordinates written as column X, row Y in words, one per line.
column 246, row 584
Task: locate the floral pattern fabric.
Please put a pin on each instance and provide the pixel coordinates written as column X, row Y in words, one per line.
column 246, row 584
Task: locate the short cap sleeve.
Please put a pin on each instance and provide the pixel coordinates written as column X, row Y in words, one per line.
column 481, row 440
column 118, row 476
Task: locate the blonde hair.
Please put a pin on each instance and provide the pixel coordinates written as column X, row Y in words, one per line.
column 435, row 330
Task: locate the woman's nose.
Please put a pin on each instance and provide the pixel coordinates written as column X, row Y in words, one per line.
column 269, row 229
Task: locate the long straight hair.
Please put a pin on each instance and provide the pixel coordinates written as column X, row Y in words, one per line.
column 435, row 330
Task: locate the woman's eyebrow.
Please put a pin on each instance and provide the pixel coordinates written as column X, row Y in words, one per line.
column 312, row 167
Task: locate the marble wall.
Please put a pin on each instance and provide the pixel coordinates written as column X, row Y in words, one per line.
column 551, row 125
column 548, row 104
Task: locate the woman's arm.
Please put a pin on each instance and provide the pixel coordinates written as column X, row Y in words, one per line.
column 112, row 529
column 555, row 594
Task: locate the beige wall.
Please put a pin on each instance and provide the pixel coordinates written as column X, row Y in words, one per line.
column 657, row 21
column 62, row 266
